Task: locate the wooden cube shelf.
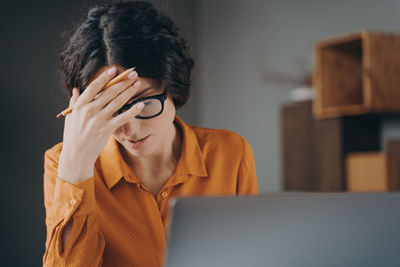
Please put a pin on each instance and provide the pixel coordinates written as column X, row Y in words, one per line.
column 357, row 73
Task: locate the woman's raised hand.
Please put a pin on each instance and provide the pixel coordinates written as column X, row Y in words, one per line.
column 91, row 123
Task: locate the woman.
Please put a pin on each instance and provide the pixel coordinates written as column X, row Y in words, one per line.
column 124, row 152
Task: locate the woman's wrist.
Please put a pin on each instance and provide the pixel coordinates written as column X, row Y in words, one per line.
column 74, row 174
column 74, row 170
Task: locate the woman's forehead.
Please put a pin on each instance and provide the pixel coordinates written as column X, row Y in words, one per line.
column 146, row 82
column 104, row 68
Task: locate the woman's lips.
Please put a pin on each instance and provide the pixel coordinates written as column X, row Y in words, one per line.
column 138, row 140
column 139, row 143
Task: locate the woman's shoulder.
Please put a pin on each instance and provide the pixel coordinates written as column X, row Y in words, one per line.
column 54, row 151
column 222, row 138
column 212, row 133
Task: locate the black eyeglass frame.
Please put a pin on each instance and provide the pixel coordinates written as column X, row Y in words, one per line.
column 161, row 97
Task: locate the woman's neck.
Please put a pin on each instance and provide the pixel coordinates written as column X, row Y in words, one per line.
column 166, row 157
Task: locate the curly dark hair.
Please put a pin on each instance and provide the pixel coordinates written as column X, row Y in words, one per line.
column 128, row 34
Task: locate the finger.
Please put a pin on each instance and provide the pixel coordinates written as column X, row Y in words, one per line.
column 72, row 101
column 121, row 99
column 123, row 118
column 95, row 86
column 108, row 95
column 74, row 97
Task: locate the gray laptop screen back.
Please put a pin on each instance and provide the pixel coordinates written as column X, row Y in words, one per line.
column 277, row 230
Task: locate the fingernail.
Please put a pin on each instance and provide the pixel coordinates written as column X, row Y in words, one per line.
column 137, row 84
column 132, row 75
column 111, row 71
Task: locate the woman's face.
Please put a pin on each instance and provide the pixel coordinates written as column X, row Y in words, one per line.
column 156, row 131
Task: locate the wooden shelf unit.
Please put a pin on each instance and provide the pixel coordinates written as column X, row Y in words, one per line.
column 314, row 150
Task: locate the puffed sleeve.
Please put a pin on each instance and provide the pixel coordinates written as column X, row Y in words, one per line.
column 66, row 202
column 247, row 177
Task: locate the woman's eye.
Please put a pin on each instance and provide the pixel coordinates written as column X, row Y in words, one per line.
column 148, row 102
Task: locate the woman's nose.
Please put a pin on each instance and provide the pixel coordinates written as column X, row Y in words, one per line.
column 131, row 127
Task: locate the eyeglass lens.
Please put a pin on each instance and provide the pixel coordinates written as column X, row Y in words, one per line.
column 151, row 108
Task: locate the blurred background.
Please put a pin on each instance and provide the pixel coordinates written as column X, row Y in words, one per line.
column 250, row 56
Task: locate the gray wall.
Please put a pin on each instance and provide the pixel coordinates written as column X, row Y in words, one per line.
column 241, row 41
column 235, row 42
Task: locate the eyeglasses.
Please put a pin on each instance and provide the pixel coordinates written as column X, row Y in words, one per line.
column 153, row 106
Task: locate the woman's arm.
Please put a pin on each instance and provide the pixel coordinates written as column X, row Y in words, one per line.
column 247, row 177
column 66, row 234
column 74, row 237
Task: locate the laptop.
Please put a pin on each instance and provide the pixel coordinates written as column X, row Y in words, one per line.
column 285, row 229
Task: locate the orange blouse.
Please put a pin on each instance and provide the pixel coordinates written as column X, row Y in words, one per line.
column 116, row 221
